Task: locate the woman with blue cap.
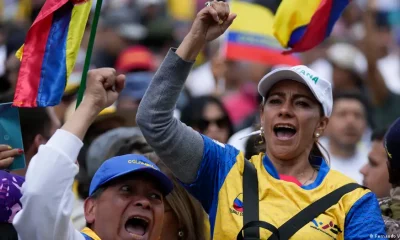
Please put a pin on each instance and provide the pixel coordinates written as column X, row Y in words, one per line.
column 288, row 191
column 126, row 196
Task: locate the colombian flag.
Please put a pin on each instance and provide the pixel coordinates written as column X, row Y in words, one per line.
column 50, row 51
column 303, row 24
column 251, row 38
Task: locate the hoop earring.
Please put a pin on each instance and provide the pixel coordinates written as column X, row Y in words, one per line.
column 261, row 135
column 181, row 233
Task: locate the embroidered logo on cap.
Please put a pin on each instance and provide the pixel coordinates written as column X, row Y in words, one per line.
column 304, row 72
column 142, row 163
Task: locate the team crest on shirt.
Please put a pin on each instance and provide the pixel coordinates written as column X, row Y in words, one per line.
column 237, row 206
column 329, row 228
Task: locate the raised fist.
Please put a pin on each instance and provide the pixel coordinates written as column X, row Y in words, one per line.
column 103, row 87
column 212, row 21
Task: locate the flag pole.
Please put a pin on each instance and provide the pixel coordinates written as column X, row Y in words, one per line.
column 89, row 52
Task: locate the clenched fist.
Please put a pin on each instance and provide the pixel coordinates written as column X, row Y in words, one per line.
column 212, row 21
column 103, row 87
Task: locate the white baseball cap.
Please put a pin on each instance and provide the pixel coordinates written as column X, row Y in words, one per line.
column 320, row 87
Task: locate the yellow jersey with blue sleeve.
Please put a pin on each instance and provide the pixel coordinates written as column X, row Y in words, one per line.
column 219, row 187
column 88, row 234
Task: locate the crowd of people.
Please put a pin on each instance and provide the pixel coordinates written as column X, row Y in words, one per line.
column 174, row 141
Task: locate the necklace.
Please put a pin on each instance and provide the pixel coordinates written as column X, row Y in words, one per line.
column 312, row 176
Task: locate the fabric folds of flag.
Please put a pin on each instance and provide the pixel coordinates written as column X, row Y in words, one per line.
column 50, row 51
column 250, row 37
column 302, row 25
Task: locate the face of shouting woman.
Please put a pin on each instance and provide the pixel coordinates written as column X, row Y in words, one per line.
column 291, row 117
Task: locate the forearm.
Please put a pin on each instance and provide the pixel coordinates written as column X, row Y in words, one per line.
column 180, row 147
column 374, row 80
column 81, row 120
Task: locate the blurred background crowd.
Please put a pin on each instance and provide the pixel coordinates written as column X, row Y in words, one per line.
column 361, row 59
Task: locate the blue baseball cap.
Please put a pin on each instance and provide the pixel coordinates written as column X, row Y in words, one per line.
column 131, row 163
column 392, row 143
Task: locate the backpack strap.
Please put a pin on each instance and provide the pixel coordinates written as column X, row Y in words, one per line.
column 313, row 210
column 251, row 224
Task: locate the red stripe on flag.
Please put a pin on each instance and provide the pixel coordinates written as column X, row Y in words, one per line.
column 261, row 55
column 316, row 29
column 31, row 66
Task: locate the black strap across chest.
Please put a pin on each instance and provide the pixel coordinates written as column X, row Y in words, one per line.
column 251, row 223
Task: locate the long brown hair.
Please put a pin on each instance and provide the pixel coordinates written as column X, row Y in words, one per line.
column 187, row 209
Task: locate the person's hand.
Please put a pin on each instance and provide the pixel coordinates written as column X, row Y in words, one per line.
column 102, row 90
column 103, row 87
column 212, row 21
column 7, row 155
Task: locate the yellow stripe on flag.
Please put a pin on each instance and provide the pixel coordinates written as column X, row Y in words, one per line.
column 77, row 25
column 292, row 14
column 252, row 18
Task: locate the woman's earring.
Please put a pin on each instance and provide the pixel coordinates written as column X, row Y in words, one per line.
column 317, row 135
column 261, row 135
column 180, row 233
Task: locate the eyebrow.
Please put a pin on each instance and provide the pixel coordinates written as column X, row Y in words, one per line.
column 295, row 96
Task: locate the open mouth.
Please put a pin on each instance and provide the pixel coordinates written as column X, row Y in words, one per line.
column 284, row 131
column 137, row 226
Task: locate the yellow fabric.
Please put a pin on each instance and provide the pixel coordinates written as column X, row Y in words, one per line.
column 182, row 10
column 261, row 18
column 24, row 9
column 292, row 14
column 77, row 25
column 20, row 52
column 90, row 233
column 280, row 201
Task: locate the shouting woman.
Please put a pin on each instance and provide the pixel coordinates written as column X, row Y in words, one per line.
column 292, row 174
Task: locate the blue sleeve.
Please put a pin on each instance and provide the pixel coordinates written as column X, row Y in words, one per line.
column 217, row 161
column 364, row 220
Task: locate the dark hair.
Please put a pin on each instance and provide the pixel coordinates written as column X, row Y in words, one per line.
column 123, row 146
column 34, row 121
column 187, row 209
column 193, row 112
column 358, row 96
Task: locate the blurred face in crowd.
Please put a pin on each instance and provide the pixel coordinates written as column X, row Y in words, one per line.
column 214, row 124
column 130, row 208
column 375, row 172
column 290, row 118
column 40, row 139
column 347, row 123
column 343, row 79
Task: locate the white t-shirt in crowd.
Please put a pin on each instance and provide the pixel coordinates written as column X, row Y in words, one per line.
column 349, row 166
column 201, row 81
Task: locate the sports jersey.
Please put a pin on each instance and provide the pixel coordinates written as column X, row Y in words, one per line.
column 89, row 234
column 219, row 188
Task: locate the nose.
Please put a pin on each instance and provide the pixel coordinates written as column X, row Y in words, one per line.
column 286, row 110
column 363, row 170
column 142, row 202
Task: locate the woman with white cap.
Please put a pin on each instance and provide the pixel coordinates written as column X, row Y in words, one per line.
column 289, row 192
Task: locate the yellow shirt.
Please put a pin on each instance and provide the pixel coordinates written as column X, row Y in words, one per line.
column 219, row 188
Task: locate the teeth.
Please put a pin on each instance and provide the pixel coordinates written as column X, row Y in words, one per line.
column 141, row 219
column 284, row 126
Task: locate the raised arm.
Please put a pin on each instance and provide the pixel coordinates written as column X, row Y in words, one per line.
column 47, row 192
column 180, row 147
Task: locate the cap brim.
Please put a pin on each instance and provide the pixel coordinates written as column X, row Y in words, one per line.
column 278, row 75
column 164, row 182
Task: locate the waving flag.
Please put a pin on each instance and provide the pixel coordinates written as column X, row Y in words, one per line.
column 303, row 24
column 50, row 51
column 251, row 38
